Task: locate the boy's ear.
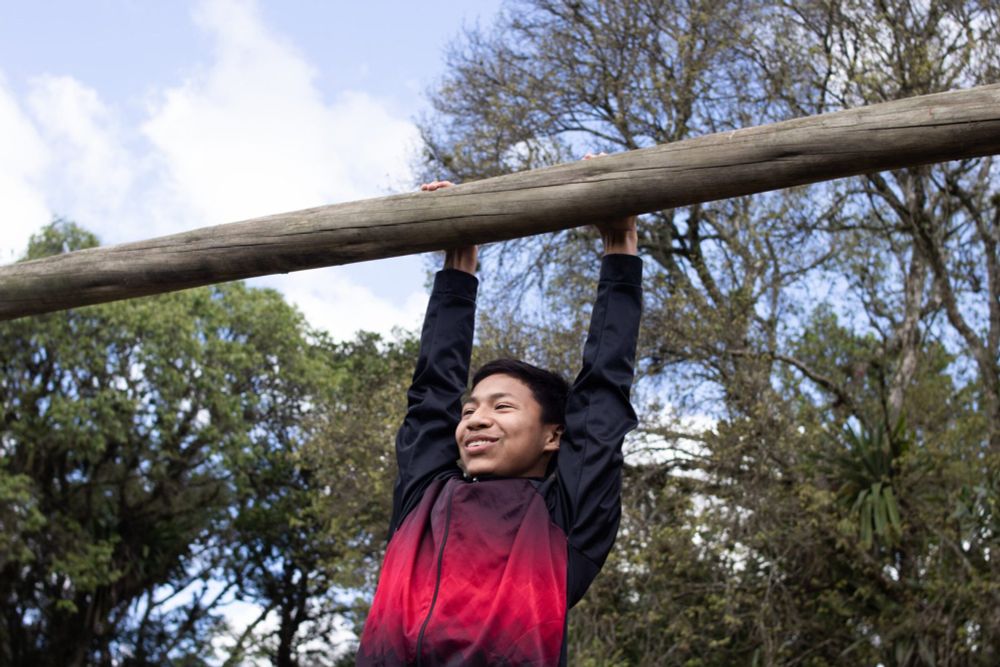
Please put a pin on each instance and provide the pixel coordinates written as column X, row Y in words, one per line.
column 553, row 435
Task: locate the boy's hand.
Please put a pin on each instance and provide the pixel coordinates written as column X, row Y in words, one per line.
column 619, row 236
column 464, row 258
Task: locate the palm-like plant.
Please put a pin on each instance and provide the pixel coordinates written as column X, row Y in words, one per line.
column 866, row 469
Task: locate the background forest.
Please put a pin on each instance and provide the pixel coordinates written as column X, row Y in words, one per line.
column 816, row 476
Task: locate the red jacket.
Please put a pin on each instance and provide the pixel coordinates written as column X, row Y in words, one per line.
column 481, row 571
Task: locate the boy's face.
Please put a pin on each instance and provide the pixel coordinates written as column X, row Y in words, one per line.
column 501, row 430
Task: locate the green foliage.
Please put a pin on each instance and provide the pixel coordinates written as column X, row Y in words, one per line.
column 19, row 518
column 58, row 237
column 750, row 535
column 353, row 457
column 866, row 470
column 153, row 447
column 156, row 464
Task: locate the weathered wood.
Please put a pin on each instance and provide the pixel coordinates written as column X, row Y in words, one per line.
column 919, row 130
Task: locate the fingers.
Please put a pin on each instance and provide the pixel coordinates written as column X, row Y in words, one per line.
column 435, row 185
column 463, row 258
column 619, row 236
column 622, row 224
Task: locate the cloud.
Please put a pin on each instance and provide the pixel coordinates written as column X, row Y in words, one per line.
column 331, row 300
column 90, row 171
column 246, row 133
column 250, row 134
column 23, row 159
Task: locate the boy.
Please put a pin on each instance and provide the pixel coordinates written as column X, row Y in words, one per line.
column 486, row 556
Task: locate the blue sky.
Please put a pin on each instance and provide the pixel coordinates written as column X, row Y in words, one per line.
column 138, row 119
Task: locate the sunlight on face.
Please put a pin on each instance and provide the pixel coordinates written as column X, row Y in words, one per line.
column 501, row 430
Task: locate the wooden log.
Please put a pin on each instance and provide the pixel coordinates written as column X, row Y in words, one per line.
column 919, row 130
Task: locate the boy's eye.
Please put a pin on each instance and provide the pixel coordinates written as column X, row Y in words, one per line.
column 501, row 406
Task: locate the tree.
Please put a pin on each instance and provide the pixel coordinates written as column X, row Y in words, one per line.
column 783, row 322
column 315, row 512
column 352, row 459
column 131, row 435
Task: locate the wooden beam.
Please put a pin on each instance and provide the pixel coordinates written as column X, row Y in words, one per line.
column 919, row 130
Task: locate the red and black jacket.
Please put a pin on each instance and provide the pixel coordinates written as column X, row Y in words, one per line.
column 481, row 571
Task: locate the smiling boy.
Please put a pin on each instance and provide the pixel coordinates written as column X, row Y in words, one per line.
column 490, row 543
column 513, row 420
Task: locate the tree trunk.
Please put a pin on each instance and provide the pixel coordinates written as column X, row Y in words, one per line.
column 907, row 338
column 919, row 130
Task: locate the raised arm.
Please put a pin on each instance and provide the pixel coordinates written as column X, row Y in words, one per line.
column 599, row 412
column 425, row 444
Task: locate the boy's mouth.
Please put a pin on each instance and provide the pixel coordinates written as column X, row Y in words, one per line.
column 478, row 442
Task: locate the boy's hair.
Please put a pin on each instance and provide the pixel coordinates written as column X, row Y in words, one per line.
column 548, row 388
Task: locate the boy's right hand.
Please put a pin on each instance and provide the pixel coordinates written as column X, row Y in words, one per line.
column 464, row 258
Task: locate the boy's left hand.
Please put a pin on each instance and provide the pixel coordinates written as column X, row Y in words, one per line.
column 464, row 258
column 620, row 236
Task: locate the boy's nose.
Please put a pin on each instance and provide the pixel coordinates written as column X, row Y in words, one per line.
column 478, row 420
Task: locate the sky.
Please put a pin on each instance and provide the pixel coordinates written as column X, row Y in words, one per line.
column 140, row 119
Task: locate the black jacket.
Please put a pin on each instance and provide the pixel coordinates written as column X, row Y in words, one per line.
column 482, row 571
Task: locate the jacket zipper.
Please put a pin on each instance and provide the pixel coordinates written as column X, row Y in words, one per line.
column 437, row 580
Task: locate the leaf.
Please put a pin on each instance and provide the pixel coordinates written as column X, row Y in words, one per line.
column 878, row 503
column 866, row 522
column 893, row 509
column 861, row 498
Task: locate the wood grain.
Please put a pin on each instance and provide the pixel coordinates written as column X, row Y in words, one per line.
column 919, row 130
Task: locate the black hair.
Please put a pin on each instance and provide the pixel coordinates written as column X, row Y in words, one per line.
column 548, row 388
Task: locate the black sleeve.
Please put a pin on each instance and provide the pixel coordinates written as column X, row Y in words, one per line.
column 598, row 415
column 425, row 444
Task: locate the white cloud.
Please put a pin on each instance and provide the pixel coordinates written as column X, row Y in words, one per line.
column 23, row 159
column 246, row 134
column 250, row 134
column 63, row 155
column 90, row 170
column 331, row 300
